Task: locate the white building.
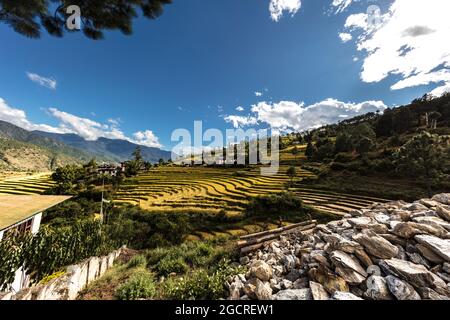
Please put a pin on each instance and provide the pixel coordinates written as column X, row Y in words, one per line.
column 23, row 213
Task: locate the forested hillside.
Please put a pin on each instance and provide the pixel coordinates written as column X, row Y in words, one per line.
column 402, row 153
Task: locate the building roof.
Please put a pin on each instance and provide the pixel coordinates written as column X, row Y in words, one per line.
column 17, row 208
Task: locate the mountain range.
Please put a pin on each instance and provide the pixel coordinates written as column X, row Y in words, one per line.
column 36, row 150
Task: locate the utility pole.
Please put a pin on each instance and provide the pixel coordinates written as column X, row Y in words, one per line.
column 101, row 205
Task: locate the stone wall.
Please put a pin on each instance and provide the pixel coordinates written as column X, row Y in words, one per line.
column 391, row 251
column 68, row 285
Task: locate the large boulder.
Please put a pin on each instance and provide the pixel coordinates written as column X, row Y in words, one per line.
column 294, row 294
column 348, row 267
column 428, row 254
column 408, row 230
column 338, row 242
column 415, row 274
column 263, row 290
column 377, row 288
column 438, row 246
column 376, row 246
column 328, row 280
column 236, row 289
column 443, row 213
column 339, row 295
column 261, row 270
column 443, row 198
column 318, row 292
column 401, row 289
column 429, row 294
column 433, row 221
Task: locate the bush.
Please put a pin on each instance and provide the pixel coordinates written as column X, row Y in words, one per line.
column 170, row 264
column 137, row 261
column 338, row 166
column 200, row 284
column 343, row 157
column 140, row 286
column 283, row 203
column 200, row 254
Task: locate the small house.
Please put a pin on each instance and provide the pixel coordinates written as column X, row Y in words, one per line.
column 23, row 213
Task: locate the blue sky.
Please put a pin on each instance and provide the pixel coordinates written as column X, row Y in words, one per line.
column 203, row 59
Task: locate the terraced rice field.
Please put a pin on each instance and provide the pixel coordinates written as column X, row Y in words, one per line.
column 198, row 189
column 23, row 185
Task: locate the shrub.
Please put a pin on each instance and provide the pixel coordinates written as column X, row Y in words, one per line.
column 343, row 157
column 200, row 284
column 338, row 166
column 200, row 254
column 137, row 261
column 170, row 264
column 283, row 203
column 140, row 286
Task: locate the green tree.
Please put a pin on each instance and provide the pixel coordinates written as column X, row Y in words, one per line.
column 137, row 154
column 364, row 146
column 310, row 151
column 434, row 117
column 27, row 17
column 424, row 156
column 66, row 179
column 343, row 142
column 384, row 125
column 295, row 152
column 292, row 173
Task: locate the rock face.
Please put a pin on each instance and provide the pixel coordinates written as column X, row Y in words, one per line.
column 389, row 251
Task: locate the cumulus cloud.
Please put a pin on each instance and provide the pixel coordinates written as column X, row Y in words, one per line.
column 146, row 138
column 278, row 7
column 240, row 121
column 240, row 109
column 19, row 118
column 68, row 123
column 345, row 37
column 49, row 83
column 410, row 43
column 290, row 115
column 258, row 94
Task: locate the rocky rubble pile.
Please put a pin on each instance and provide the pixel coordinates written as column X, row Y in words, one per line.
column 388, row 251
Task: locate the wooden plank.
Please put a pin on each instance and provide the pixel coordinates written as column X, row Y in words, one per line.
column 268, row 237
column 278, row 230
column 258, row 246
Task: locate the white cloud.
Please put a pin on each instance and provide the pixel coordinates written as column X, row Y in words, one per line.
column 357, row 20
column 84, row 127
column 146, row 138
column 240, row 121
column 258, row 94
column 345, row 37
column 278, row 7
column 49, row 83
column 18, row 117
column 289, row 115
column 410, row 43
column 240, row 109
column 341, row 5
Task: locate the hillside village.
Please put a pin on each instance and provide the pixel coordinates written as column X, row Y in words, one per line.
column 175, row 231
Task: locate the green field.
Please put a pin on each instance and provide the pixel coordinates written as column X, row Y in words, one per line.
column 24, row 185
column 197, row 189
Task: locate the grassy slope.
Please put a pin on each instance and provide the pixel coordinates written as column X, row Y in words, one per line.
column 20, row 156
